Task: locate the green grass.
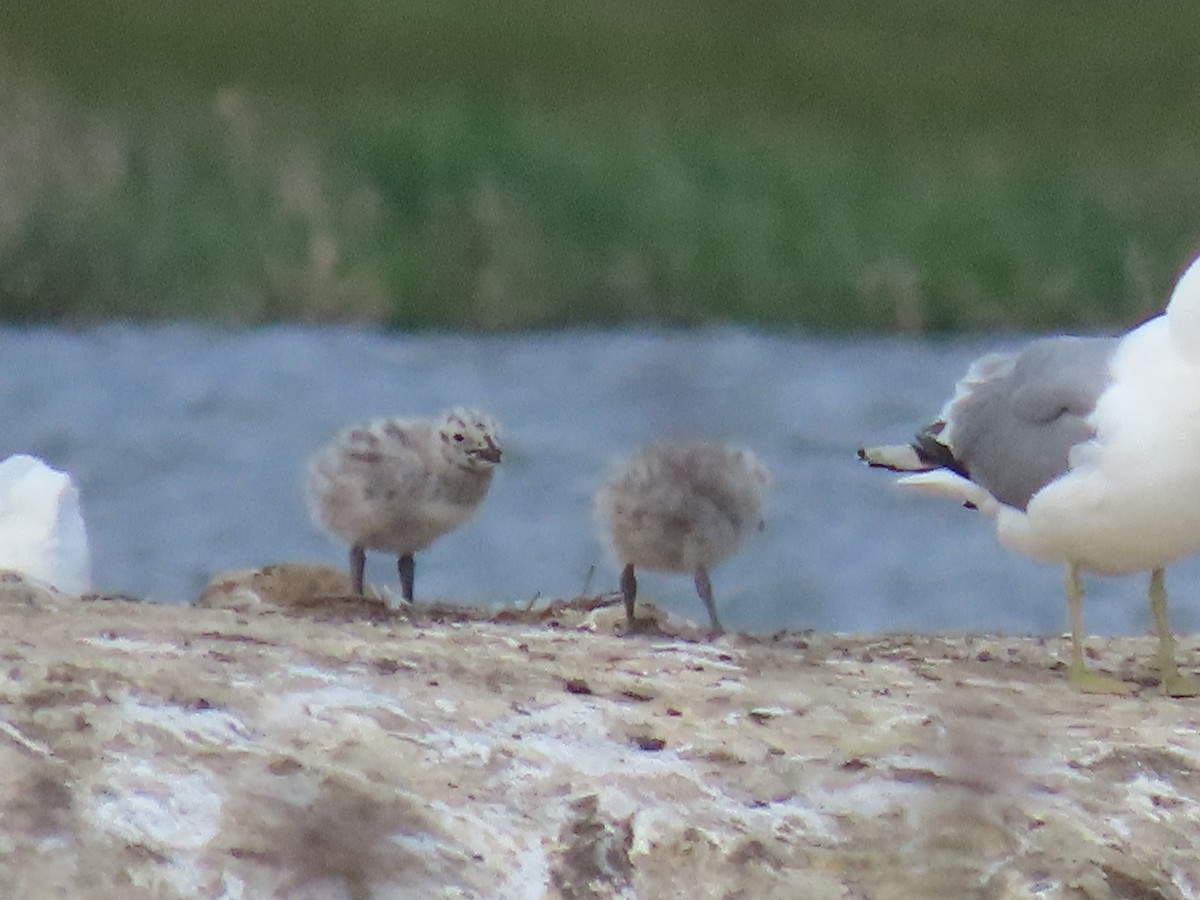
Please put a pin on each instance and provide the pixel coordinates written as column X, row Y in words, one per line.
column 832, row 164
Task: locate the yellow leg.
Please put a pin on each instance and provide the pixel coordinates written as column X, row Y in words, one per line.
column 1173, row 683
column 1079, row 676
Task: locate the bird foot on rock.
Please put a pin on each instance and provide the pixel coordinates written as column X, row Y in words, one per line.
column 1089, row 682
column 646, row 626
column 1175, row 684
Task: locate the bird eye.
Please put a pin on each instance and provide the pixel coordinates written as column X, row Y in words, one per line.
column 459, row 438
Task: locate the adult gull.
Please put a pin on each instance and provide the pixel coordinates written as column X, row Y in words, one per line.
column 42, row 532
column 1085, row 451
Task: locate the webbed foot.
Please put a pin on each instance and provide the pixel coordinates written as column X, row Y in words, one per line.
column 1088, row 682
column 1176, row 684
column 647, row 626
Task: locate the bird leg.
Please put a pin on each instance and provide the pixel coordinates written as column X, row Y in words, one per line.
column 1078, row 675
column 1172, row 681
column 704, row 589
column 358, row 561
column 406, row 568
column 629, row 592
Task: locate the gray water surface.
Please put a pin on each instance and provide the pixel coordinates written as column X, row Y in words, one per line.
column 189, row 446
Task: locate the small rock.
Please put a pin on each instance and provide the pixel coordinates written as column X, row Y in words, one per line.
column 577, row 686
column 283, row 584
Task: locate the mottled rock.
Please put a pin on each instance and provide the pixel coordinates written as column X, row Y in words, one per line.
column 284, row 584
column 19, row 589
column 297, row 751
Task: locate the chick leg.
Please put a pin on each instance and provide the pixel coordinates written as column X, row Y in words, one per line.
column 407, row 570
column 1078, row 675
column 358, row 561
column 704, row 589
column 1173, row 682
column 629, row 592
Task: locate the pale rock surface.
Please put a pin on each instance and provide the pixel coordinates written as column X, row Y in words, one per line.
column 324, row 747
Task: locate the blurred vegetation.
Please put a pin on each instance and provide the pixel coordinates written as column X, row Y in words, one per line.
column 833, row 164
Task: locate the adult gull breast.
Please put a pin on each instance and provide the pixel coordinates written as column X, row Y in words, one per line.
column 1085, row 451
column 42, row 532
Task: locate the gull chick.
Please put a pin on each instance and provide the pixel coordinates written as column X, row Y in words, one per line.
column 396, row 485
column 681, row 506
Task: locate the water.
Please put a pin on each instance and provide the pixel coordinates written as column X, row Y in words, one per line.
column 189, row 445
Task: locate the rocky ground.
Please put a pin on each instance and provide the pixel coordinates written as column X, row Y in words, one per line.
column 283, row 740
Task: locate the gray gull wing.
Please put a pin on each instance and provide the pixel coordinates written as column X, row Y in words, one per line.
column 1013, row 434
